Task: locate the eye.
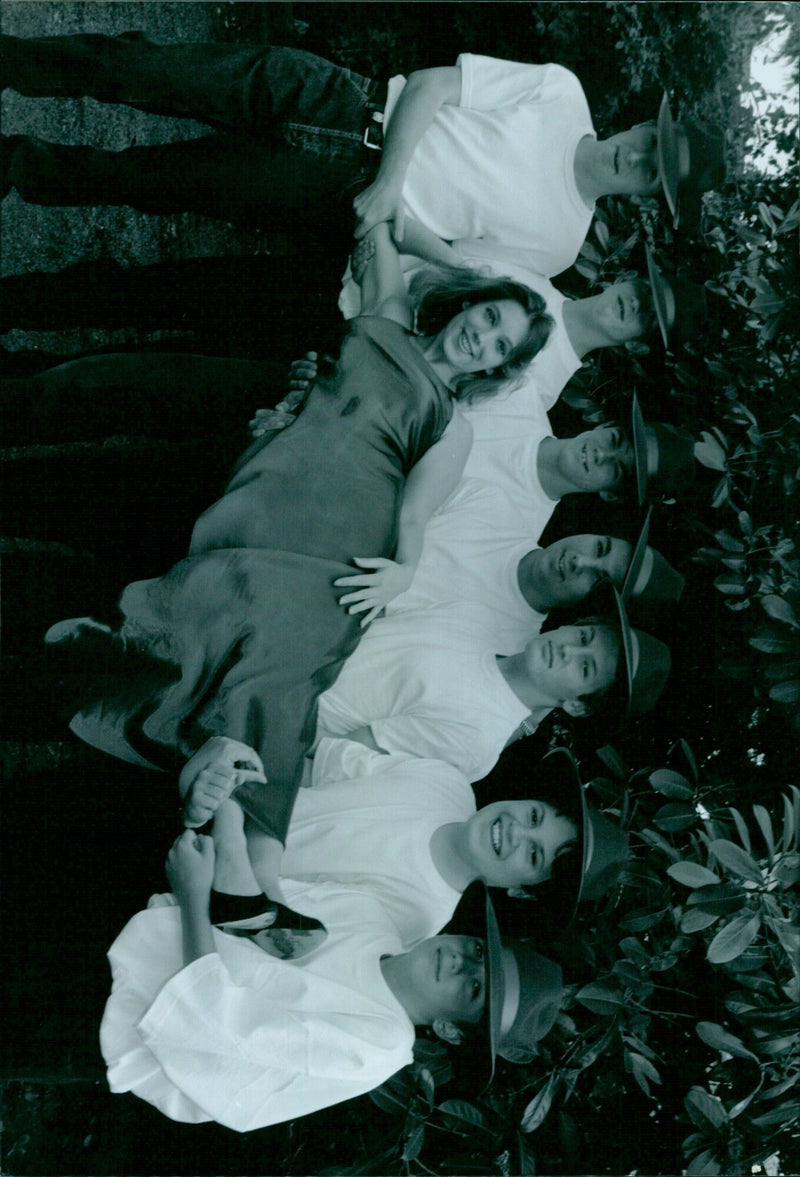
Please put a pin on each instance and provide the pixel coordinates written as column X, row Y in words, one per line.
column 476, row 990
column 534, row 817
column 534, row 856
column 478, row 949
column 585, row 669
column 491, row 315
column 584, row 638
column 599, row 548
column 502, row 348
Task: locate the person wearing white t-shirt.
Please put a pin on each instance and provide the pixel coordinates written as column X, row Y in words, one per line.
column 405, row 829
column 209, row 1026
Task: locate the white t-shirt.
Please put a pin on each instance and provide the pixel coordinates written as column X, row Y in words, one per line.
column 500, row 166
column 367, row 823
column 247, row 1040
column 505, row 446
column 471, row 550
column 432, row 689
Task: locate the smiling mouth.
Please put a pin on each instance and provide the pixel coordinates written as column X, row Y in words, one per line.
column 585, row 456
column 438, row 967
column 464, row 344
column 616, row 160
column 497, row 836
column 561, row 564
column 621, row 302
column 550, row 654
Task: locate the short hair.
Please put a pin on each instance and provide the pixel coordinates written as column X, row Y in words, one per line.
column 521, row 776
column 439, row 292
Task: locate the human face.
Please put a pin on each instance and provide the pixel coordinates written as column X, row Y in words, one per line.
column 598, row 459
column 515, row 843
column 482, row 336
column 629, row 162
column 573, row 661
column 447, row 976
column 624, row 311
column 568, row 569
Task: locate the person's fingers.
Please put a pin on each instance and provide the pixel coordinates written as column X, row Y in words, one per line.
column 371, row 616
column 248, row 774
column 311, row 355
column 399, row 224
column 371, row 561
column 354, row 581
column 368, row 603
column 350, row 598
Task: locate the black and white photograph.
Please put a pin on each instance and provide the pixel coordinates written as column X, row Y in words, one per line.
column 400, row 588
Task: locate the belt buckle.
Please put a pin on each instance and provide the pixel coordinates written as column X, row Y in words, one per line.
column 374, row 125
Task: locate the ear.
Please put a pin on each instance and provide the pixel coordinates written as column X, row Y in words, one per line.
column 576, row 708
column 448, row 1032
column 610, row 496
column 489, row 371
column 519, row 893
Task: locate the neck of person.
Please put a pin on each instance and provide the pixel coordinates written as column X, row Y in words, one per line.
column 394, row 970
column 432, row 351
column 526, row 585
column 554, row 484
column 515, row 672
column 586, row 181
column 448, row 852
column 581, row 327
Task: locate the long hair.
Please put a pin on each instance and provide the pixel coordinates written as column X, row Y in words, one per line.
column 93, row 666
column 439, row 293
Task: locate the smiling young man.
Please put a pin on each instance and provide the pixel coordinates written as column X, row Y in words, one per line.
column 437, row 688
column 207, row 1026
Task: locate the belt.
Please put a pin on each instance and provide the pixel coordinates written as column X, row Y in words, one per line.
column 373, row 132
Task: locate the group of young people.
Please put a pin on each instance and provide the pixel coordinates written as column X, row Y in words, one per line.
column 314, row 928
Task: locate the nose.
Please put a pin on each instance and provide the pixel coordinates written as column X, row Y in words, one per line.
column 463, row 963
column 637, row 157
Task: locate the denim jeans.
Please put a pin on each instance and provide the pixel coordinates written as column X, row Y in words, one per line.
column 290, row 126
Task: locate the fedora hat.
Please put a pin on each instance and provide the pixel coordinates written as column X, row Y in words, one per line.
column 691, row 161
column 644, row 668
column 663, row 455
column 523, row 993
column 602, row 844
column 679, row 304
column 650, row 579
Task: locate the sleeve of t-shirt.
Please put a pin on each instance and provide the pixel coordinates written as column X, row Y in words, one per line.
column 249, row 1061
column 346, row 760
column 490, row 83
column 457, row 742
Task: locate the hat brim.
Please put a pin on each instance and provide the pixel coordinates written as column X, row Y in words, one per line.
column 639, row 450
column 637, row 559
column 612, row 606
column 667, row 147
column 474, row 1060
column 663, row 296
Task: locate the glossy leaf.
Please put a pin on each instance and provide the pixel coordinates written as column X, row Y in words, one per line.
column 741, row 827
column 786, row 692
column 642, row 1070
column 691, row 874
column 732, row 940
column 696, row 920
column 676, row 816
column 721, row 900
column 671, row 784
column 536, row 1111
column 718, row 1038
column 736, row 860
column 704, row 1165
column 412, row 1145
column 705, row 1109
column 780, row 1115
column 599, row 998
column 461, row 1116
column 765, row 825
column 730, row 583
column 780, row 609
column 710, row 453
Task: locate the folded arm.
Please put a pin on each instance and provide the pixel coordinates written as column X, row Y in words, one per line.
column 425, row 93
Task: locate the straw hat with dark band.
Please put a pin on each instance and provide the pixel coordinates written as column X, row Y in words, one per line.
column 663, row 455
column 650, row 578
column 691, row 161
column 523, row 993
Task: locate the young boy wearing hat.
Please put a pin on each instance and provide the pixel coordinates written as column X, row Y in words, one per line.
column 515, row 141
column 206, row 1026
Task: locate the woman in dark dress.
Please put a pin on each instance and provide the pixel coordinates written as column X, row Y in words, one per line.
column 247, row 630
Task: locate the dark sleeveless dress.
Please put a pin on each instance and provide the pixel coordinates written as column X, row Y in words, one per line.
column 250, row 620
